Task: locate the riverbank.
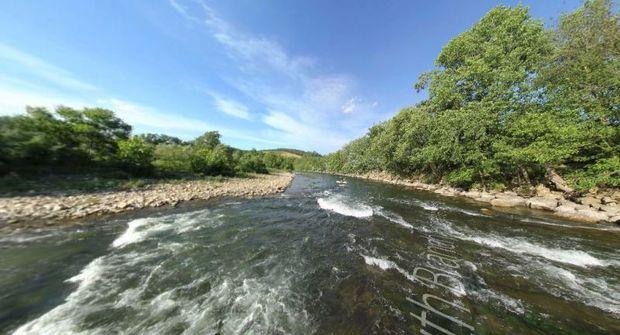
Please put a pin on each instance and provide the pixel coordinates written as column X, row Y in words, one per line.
column 45, row 210
column 592, row 208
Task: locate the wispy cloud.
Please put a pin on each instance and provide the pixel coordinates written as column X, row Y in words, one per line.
column 150, row 119
column 231, row 107
column 39, row 68
column 307, row 107
column 14, row 101
column 349, row 106
column 16, row 94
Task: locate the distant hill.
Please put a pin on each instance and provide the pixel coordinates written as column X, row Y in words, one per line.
column 295, row 153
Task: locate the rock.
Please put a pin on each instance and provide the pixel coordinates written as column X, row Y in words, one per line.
column 447, row 191
column 472, row 194
column 59, row 207
column 565, row 209
column 486, row 197
column 543, row 203
column 508, row 201
column 615, row 219
column 590, row 215
column 608, row 201
column 586, row 215
column 589, row 201
column 611, row 209
column 542, row 190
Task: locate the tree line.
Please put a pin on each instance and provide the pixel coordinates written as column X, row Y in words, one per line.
column 510, row 104
column 95, row 141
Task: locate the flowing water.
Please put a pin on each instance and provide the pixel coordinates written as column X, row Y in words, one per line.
column 328, row 256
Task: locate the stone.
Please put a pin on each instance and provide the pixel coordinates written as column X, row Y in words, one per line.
column 607, row 201
column 564, row 209
column 590, row 201
column 447, row 191
column 59, row 207
column 611, row 209
column 508, row 201
column 542, row 190
column 472, row 194
column 486, row 197
column 590, row 215
column 585, row 215
column 543, row 203
column 615, row 219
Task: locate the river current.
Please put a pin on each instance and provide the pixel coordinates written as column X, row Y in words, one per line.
column 331, row 255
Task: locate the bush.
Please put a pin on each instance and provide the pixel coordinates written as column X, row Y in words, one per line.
column 173, row 159
column 250, row 161
column 212, row 162
column 136, row 155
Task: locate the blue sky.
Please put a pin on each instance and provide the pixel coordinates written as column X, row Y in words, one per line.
column 311, row 75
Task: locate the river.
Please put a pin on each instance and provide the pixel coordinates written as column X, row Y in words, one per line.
column 331, row 255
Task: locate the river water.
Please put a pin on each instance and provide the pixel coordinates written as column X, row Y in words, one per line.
column 331, row 255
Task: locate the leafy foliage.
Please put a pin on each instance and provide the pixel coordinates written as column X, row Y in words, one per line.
column 508, row 102
column 95, row 140
column 136, row 155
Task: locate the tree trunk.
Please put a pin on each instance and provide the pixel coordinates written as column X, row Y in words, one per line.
column 558, row 182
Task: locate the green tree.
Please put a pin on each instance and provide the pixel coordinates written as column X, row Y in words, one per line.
column 249, row 161
column 483, row 77
column 136, row 155
column 582, row 85
column 96, row 131
column 173, row 159
column 212, row 162
column 210, row 139
column 161, row 139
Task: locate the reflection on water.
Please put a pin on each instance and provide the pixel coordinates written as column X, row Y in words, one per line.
column 324, row 257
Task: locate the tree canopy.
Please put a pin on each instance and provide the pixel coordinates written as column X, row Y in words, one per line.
column 509, row 104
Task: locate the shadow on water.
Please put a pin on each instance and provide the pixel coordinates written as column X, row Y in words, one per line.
column 330, row 255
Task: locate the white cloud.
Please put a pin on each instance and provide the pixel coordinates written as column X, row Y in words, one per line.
column 231, row 107
column 349, row 106
column 148, row 117
column 14, row 101
column 17, row 93
column 42, row 69
column 305, row 105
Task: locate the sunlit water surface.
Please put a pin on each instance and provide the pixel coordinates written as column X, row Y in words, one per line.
column 329, row 256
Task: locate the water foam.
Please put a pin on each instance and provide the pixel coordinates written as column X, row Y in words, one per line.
column 385, row 264
column 488, row 295
column 393, row 217
column 157, row 299
column 521, row 246
column 595, row 292
column 133, row 234
column 344, row 206
column 140, row 229
column 567, row 256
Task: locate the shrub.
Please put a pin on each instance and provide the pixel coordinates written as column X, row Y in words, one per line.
column 136, row 155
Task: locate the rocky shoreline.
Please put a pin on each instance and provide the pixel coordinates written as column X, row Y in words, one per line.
column 591, row 208
column 36, row 211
